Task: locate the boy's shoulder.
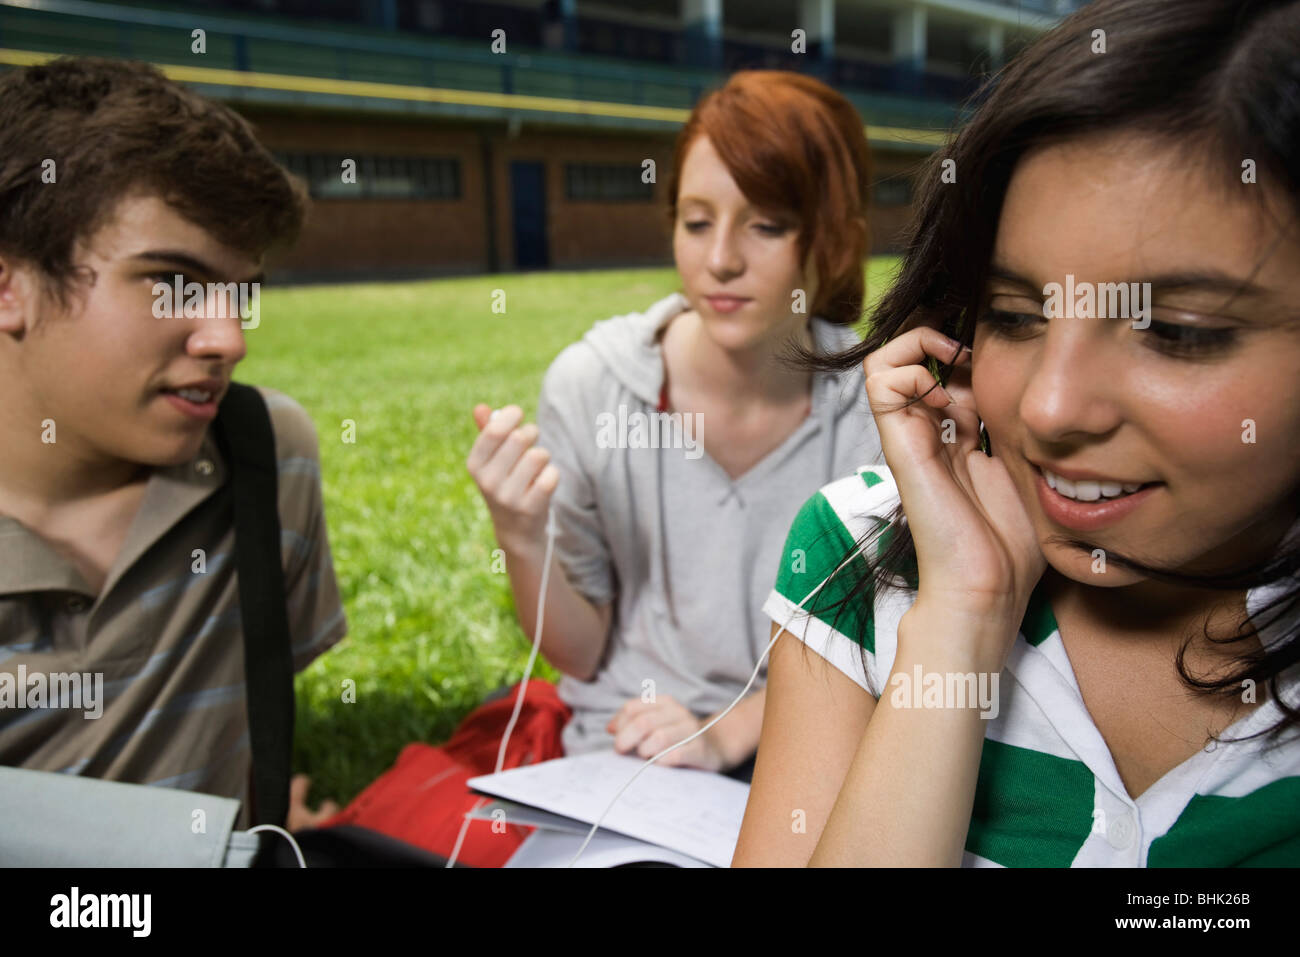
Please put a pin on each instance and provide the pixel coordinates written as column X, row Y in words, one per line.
column 295, row 433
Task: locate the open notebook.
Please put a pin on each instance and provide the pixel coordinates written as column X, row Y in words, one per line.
column 675, row 815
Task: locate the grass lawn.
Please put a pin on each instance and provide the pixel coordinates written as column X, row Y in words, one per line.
column 431, row 628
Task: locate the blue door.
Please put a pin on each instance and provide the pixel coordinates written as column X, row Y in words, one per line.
column 528, row 202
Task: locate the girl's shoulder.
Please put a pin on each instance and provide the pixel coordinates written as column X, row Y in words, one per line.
column 848, row 507
column 835, row 537
column 833, row 336
column 620, row 351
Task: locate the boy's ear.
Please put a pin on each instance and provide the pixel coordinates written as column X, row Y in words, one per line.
column 19, row 297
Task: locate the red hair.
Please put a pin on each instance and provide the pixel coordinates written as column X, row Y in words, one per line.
column 793, row 144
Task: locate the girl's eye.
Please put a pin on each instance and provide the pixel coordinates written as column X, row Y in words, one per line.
column 1013, row 325
column 1175, row 339
column 1179, row 339
column 768, row 229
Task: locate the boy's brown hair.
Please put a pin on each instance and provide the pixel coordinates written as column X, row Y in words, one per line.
column 115, row 128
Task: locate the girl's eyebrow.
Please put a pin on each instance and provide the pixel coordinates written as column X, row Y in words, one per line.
column 1003, row 272
column 1207, row 280
column 700, row 201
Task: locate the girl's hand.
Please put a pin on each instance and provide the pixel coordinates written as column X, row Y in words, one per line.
column 978, row 557
column 514, row 478
column 301, row 816
column 646, row 729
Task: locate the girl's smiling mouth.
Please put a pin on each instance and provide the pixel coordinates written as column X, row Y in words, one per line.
column 1079, row 512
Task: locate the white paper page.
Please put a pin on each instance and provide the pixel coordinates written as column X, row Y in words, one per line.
column 695, row 812
column 526, row 816
column 556, row 849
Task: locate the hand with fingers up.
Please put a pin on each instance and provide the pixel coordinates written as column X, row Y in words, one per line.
column 978, row 556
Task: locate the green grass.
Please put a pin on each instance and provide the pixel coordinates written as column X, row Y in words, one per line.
column 431, row 628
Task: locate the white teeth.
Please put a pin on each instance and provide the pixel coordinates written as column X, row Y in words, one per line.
column 1088, row 490
column 197, row 396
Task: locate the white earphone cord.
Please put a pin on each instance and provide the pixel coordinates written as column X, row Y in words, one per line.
column 532, row 660
column 528, row 672
column 286, row 835
column 763, row 657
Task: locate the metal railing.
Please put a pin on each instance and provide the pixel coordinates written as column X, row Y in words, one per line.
column 76, row 27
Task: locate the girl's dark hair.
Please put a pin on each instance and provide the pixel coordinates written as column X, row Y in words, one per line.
column 1218, row 76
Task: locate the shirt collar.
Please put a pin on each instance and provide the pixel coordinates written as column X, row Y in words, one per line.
column 32, row 564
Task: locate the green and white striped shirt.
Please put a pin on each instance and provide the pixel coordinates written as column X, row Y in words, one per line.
column 1048, row 793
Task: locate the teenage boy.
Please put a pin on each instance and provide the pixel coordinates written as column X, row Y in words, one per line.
column 117, row 541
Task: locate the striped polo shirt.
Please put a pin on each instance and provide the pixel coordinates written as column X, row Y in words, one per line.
column 163, row 639
column 1048, row 793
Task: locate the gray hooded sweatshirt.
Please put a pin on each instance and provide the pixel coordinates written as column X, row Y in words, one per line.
column 649, row 521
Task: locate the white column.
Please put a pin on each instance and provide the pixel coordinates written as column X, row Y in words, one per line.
column 993, row 43
column 817, row 18
column 707, row 14
column 702, row 24
column 909, row 37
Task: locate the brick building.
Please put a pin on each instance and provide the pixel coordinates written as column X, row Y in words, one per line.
column 450, row 136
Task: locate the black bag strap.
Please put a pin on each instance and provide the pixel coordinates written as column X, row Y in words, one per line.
column 244, row 435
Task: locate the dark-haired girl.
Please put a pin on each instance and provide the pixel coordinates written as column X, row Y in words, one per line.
column 1061, row 627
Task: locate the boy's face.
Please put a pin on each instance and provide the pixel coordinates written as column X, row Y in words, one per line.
column 106, row 367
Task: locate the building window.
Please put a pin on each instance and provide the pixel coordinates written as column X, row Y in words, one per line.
column 591, row 182
column 378, row 177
